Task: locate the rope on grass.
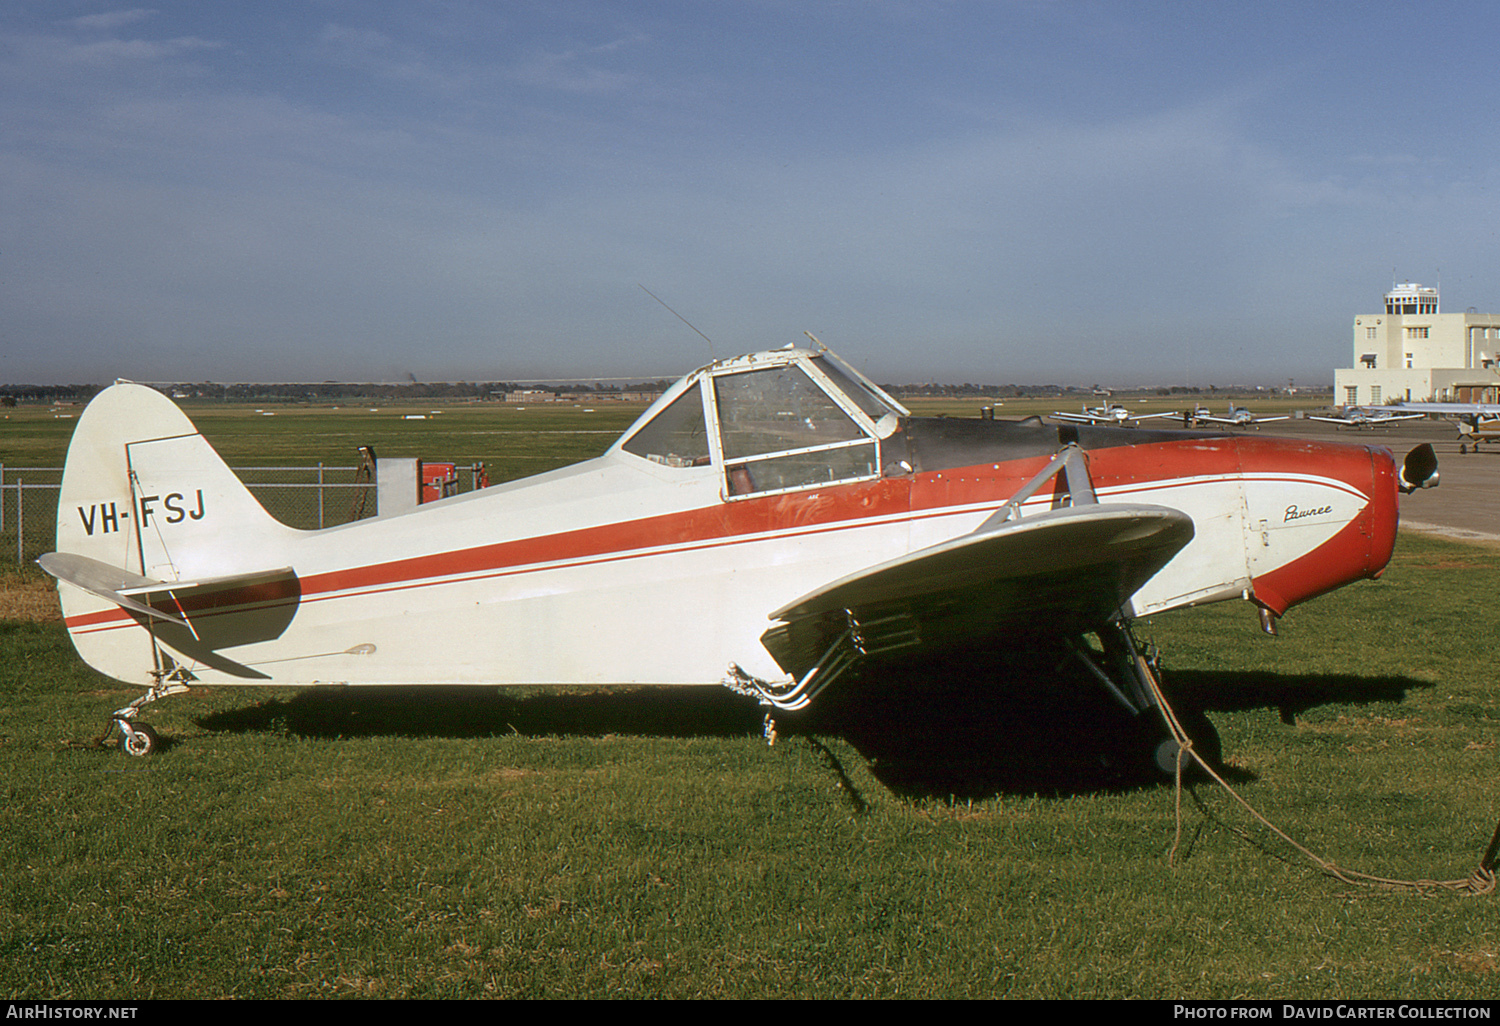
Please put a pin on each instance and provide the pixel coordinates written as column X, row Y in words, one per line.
column 1480, row 881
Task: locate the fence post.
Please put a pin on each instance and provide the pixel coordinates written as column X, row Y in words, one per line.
column 20, row 526
column 320, row 495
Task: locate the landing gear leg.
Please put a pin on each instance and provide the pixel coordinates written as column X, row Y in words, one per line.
column 139, row 739
column 1131, row 679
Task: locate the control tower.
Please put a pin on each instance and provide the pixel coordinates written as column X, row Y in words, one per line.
column 1411, row 298
column 1413, row 352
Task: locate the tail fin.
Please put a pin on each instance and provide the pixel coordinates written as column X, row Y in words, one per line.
column 146, row 502
column 142, row 490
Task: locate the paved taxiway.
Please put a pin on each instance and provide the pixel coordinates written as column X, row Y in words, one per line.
column 1466, row 503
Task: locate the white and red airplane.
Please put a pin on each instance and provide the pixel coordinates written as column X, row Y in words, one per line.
column 1237, row 416
column 1372, row 417
column 1114, row 414
column 772, row 522
column 1476, row 422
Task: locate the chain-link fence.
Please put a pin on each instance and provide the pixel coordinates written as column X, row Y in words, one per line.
column 28, row 510
column 303, row 497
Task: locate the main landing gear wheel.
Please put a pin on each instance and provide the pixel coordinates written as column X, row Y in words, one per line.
column 139, row 739
column 1201, row 732
column 1135, row 686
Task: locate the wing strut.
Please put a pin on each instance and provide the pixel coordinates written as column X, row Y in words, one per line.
column 1067, row 461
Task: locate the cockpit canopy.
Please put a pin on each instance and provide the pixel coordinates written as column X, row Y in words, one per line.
column 771, row 422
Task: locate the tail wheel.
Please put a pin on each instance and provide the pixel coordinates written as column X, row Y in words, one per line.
column 140, row 740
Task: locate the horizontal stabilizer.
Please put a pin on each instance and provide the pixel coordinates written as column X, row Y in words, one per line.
column 134, row 592
column 108, row 582
column 185, row 588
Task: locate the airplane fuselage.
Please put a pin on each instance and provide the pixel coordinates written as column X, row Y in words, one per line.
column 625, row 570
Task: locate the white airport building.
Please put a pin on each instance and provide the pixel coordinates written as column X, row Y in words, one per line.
column 1413, row 352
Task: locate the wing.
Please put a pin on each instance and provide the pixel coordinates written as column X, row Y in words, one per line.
column 1482, row 409
column 1049, row 573
column 1150, row 416
column 1080, row 418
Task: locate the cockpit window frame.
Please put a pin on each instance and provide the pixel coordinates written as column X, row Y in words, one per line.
column 867, row 432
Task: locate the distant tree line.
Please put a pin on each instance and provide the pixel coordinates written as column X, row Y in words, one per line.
column 328, row 390
column 325, row 390
column 341, row 390
column 969, row 390
column 12, row 394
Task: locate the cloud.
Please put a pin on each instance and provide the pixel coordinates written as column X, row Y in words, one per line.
column 116, row 49
column 377, row 54
column 110, row 20
column 486, row 198
column 112, row 50
column 575, row 71
column 303, row 234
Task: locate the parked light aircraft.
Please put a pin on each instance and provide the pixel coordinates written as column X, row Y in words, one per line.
column 1476, row 422
column 1114, row 414
column 772, row 523
column 1238, row 416
column 1363, row 417
column 1476, row 428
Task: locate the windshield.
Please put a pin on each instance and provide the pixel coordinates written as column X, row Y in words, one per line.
column 777, row 409
column 779, row 430
column 675, row 437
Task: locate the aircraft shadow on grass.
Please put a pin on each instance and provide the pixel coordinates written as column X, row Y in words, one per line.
column 943, row 737
column 1013, row 738
column 1289, row 694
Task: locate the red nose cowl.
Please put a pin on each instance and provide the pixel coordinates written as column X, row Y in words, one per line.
column 1360, row 550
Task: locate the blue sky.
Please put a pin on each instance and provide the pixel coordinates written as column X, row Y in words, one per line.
column 1117, row 192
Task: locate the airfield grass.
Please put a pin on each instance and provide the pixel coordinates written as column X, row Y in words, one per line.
column 649, row 843
column 514, row 440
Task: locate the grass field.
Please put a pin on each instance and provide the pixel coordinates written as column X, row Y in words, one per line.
column 641, row 843
column 513, row 439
